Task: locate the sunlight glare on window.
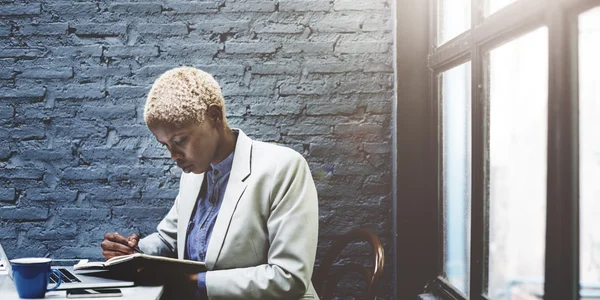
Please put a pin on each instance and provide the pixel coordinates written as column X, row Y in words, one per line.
column 454, row 18
column 518, row 124
column 456, row 116
column 589, row 151
column 496, row 5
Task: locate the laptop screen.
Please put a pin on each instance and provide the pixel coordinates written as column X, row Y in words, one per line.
column 4, row 263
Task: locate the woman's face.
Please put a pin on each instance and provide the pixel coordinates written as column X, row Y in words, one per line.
column 192, row 146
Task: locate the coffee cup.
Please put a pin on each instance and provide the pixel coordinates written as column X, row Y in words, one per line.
column 31, row 276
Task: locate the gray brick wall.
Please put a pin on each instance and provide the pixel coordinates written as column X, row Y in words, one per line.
column 77, row 161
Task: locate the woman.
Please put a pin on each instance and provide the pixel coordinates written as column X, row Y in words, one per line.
column 247, row 208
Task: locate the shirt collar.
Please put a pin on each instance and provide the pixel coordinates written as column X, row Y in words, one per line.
column 223, row 167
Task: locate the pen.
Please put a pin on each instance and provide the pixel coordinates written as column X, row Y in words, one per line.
column 137, row 249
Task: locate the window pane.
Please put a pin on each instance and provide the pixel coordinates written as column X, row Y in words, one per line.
column 589, row 147
column 517, row 159
column 456, row 115
column 454, row 18
column 496, row 5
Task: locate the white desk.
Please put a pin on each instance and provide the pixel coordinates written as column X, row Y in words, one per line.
column 9, row 292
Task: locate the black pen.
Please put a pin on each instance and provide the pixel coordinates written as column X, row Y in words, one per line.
column 137, row 249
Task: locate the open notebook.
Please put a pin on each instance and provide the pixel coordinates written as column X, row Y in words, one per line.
column 138, row 260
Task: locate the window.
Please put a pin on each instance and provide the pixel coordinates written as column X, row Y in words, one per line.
column 455, row 18
column 518, row 109
column 589, row 152
column 512, row 103
column 456, row 116
column 495, row 5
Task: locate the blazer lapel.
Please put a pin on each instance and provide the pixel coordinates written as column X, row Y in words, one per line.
column 187, row 200
column 240, row 170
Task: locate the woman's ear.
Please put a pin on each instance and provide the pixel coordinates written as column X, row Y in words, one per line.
column 215, row 113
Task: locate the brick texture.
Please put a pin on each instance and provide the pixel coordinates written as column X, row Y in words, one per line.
column 77, row 161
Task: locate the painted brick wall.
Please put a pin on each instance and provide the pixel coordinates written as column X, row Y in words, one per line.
column 77, row 161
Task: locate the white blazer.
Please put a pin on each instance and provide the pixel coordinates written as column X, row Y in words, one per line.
column 264, row 241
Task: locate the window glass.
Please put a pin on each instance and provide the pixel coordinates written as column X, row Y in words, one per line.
column 589, row 152
column 496, row 5
column 518, row 78
column 456, row 118
column 454, row 18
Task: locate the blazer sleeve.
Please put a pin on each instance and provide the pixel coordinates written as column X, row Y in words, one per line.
column 293, row 232
column 163, row 242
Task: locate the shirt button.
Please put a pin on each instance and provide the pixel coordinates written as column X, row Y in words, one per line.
column 216, row 172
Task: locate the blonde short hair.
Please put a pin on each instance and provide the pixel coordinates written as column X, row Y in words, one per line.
column 182, row 95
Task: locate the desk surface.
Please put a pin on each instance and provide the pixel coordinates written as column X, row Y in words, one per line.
column 9, row 292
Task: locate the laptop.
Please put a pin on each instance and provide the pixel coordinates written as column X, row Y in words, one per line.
column 72, row 279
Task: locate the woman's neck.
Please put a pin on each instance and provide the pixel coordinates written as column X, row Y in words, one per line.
column 226, row 145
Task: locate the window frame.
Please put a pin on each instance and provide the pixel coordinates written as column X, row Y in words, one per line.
column 413, row 195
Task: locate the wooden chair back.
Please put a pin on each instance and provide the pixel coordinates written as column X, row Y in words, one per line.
column 325, row 284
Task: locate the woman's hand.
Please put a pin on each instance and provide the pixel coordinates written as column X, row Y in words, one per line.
column 115, row 244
